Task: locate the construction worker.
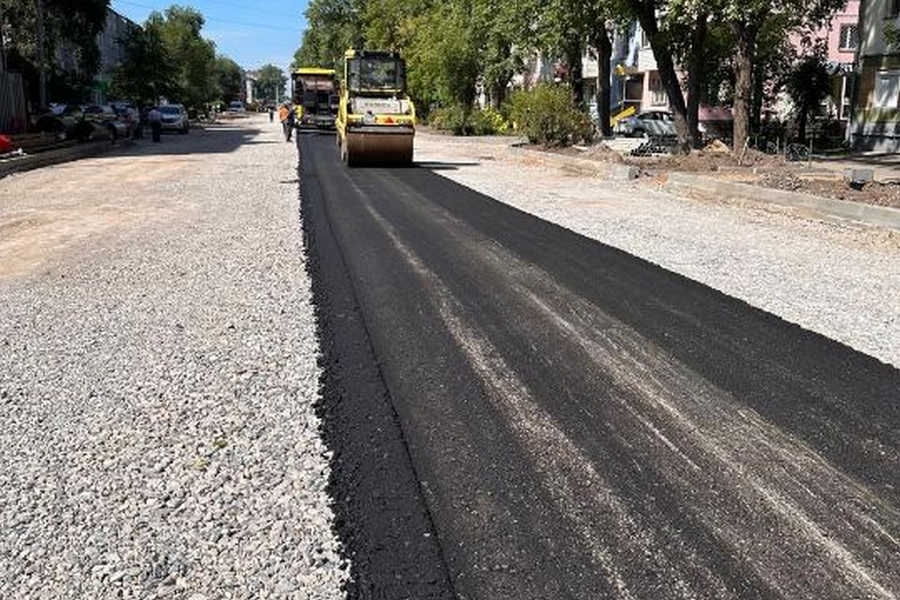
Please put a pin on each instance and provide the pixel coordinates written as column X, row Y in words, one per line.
column 286, row 116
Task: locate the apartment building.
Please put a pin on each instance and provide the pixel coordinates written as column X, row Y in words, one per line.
column 876, row 118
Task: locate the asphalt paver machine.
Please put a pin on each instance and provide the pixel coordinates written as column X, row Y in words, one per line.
column 315, row 98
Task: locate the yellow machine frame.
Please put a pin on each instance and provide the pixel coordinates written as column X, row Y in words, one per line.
column 374, row 137
column 298, row 108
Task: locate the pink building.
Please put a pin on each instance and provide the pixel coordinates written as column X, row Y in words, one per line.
column 842, row 35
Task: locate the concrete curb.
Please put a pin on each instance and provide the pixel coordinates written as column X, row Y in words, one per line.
column 581, row 166
column 53, row 157
column 696, row 185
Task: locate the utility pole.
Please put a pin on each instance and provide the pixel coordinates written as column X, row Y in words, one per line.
column 42, row 62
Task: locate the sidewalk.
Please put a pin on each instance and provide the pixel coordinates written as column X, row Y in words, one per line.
column 886, row 166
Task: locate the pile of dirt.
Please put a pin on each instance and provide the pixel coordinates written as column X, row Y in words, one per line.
column 707, row 160
column 600, row 152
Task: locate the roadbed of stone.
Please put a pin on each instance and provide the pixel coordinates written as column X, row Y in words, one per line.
column 834, row 278
column 158, row 382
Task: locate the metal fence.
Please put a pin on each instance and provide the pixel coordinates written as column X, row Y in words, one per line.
column 13, row 118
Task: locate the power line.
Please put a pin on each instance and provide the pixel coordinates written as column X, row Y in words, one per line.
column 216, row 19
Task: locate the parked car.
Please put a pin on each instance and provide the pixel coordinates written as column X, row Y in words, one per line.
column 237, row 106
column 61, row 119
column 652, row 123
column 174, row 118
column 105, row 116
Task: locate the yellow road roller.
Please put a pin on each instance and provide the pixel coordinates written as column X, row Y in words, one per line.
column 376, row 120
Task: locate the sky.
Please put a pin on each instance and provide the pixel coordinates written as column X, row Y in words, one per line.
column 252, row 32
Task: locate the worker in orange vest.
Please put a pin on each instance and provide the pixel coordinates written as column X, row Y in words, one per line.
column 286, row 116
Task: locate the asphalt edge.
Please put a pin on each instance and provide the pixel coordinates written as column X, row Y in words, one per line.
column 381, row 516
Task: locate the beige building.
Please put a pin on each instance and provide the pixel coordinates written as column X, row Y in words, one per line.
column 876, row 120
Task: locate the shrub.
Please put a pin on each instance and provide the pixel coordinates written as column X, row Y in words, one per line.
column 450, row 118
column 462, row 121
column 547, row 115
column 489, row 121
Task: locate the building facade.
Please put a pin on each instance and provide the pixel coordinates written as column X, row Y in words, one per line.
column 112, row 53
column 876, row 118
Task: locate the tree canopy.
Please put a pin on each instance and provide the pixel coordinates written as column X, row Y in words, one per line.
column 169, row 57
column 270, row 82
column 731, row 51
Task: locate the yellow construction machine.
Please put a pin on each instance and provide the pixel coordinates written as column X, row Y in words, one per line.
column 315, row 98
column 376, row 120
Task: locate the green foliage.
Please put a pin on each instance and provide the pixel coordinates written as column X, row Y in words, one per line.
column 228, row 78
column 493, row 121
column 270, row 82
column 464, row 121
column 146, row 73
column 333, row 26
column 192, row 56
column 67, row 23
column 450, row 45
column 547, row 115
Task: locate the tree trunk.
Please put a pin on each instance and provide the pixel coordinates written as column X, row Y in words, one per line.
column 604, row 75
column 695, row 78
column 758, row 93
column 576, row 72
column 801, row 122
column 745, row 39
column 646, row 13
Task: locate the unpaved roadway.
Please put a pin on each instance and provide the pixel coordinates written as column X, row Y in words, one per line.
column 158, row 377
column 581, row 423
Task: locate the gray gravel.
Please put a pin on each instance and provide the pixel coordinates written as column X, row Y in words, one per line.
column 157, row 431
column 837, row 279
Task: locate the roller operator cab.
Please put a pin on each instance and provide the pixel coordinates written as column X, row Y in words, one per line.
column 315, row 98
column 376, row 120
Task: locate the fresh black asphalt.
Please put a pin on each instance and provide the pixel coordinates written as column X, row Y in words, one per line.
column 518, row 411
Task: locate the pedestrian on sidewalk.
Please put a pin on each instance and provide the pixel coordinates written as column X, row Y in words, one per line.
column 155, row 118
column 271, row 114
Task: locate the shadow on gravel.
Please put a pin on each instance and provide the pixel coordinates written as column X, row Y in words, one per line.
column 445, row 166
column 214, row 139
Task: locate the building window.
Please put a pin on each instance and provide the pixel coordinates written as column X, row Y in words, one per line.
column 849, row 37
column 887, row 89
column 657, row 93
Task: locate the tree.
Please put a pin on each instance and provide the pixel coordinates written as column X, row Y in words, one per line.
column 808, row 85
column 229, row 77
column 192, row 56
column 74, row 23
column 748, row 19
column 146, row 73
column 270, row 82
column 646, row 13
column 333, row 26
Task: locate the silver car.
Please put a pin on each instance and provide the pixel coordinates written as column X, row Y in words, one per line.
column 174, row 118
column 650, row 123
column 653, row 123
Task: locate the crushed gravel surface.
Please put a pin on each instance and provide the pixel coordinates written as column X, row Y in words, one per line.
column 158, row 437
column 834, row 278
